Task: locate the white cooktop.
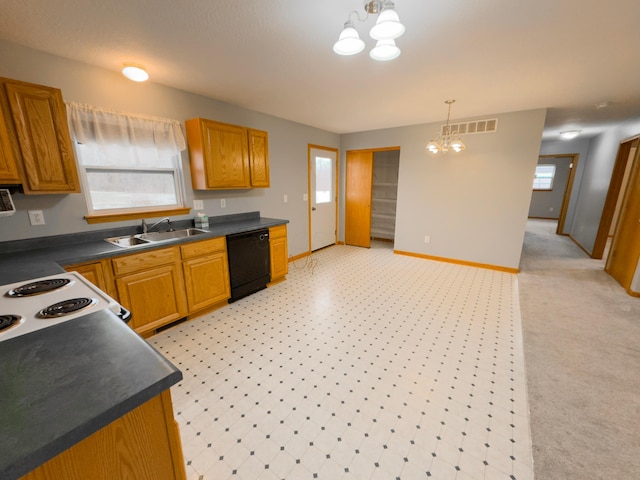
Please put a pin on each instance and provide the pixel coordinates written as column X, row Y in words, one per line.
column 28, row 307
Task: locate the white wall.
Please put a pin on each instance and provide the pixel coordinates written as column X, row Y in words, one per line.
column 86, row 84
column 473, row 205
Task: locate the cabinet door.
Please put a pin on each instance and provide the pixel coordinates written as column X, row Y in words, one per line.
column 279, row 252
column 259, row 157
column 155, row 297
column 226, row 155
column 143, row 443
column 206, row 280
column 98, row 273
column 8, row 167
column 40, row 122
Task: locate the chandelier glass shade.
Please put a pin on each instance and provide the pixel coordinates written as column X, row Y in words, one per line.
column 447, row 139
column 385, row 31
column 349, row 42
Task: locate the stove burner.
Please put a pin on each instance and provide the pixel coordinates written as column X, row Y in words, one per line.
column 66, row 307
column 38, row 287
column 8, row 321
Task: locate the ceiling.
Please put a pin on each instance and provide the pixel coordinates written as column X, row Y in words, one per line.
column 276, row 56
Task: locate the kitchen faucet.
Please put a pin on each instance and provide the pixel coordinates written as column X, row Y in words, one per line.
column 145, row 229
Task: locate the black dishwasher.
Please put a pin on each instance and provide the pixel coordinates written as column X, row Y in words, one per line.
column 249, row 262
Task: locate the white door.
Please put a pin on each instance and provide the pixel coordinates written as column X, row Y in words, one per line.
column 322, row 174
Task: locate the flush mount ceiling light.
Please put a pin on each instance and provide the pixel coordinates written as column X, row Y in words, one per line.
column 385, row 31
column 134, row 72
column 569, row 134
column 447, row 139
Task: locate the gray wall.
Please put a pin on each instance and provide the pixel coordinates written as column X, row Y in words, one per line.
column 578, row 146
column 473, row 205
column 86, row 84
column 595, row 182
column 548, row 203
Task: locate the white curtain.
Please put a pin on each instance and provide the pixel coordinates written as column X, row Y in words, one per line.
column 94, row 125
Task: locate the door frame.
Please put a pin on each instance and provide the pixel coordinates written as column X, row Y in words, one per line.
column 624, row 221
column 568, row 188
column 364, row 150
column 613, row 193
column 310, row 147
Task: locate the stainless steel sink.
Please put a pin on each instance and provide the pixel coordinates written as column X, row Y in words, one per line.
column 127, row 241
column 162, row 236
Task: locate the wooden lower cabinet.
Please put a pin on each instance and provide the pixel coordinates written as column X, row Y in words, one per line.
column 206, row 273
column 98, row 273
column 151, row 286
column 279, row 252
column 144, row 444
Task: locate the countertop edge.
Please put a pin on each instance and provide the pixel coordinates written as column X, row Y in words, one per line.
column 82, row 428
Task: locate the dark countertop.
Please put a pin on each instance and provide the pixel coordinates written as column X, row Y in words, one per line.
column 61, row 384
column 27, row 259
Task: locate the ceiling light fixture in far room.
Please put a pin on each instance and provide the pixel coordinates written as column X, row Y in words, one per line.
column 385, row 31
column 134, row 72
column 447, row 139
column 601, row 105
column 569, row 134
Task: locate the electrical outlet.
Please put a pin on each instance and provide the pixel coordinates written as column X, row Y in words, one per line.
column 36, row 217
column 198, row 205
column 223, row 203
column 285, row 198
column 427, row 239
column 551, row 209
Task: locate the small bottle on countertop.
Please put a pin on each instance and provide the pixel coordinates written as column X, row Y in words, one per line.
column 201, row 220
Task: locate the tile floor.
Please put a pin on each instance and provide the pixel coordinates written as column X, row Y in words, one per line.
column 361, row 365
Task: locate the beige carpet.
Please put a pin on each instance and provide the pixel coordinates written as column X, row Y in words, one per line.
column 581, row 335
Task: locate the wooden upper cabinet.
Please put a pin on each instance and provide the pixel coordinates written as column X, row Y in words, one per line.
column 9, row 173
column 36, row 122
column 225, row 156
column 259, row 157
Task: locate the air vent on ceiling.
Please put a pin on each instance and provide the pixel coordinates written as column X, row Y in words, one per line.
column 488, row 125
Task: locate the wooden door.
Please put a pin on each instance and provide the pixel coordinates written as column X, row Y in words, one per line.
column 625, row 248
column 259, row 158
column 359, row 180
column 40, row 122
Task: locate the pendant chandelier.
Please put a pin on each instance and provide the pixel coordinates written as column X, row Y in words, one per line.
column 447, row 139
column 385, row 31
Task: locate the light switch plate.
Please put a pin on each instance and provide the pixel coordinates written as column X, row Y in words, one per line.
column 198, row 205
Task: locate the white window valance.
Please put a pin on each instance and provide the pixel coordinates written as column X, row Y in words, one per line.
column 89, row 124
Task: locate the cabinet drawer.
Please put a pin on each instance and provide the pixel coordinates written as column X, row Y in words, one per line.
column 277, row 232
column 142, row 261
column 204, row 247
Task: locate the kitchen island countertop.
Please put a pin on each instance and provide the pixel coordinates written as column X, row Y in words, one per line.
column 63, row 383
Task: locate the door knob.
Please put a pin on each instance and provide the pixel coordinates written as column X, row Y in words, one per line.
column 313, row 209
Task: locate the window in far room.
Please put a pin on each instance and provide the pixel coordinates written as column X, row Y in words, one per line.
column 543, row 179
